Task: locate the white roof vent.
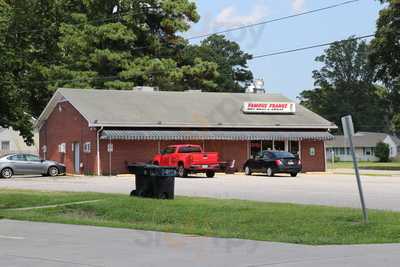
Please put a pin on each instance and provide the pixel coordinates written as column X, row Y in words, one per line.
column 257, row 87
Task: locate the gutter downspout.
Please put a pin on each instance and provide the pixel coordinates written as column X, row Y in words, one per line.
column 98, row 150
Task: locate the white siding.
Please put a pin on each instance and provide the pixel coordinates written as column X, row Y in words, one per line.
column 17, row 144
column 347, row 156
column 392, row 146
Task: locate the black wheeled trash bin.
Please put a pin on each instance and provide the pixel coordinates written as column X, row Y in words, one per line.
column 153, row 181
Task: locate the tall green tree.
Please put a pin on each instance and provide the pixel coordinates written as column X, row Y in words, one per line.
column 12, row 108
column 99, row 44
column 344, row 85
column 234, row 74
column 385, row 55
column 120, row 44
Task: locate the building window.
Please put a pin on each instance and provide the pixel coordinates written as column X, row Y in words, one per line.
column 368, row 151
column 255, row 148
column 294, row 147
column 279, row 145
column 342, row 151
column 87, row 147
column 267, row 145
column 62, row 148
column 5, row 146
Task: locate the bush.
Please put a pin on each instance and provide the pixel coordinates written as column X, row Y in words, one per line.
column 382, row 151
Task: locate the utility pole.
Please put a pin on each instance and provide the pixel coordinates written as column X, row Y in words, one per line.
column 348, row 128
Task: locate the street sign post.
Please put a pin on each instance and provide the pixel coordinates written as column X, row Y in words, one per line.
column 348, row 129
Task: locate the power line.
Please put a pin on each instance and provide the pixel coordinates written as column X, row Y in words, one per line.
column 160, row 72
column 274, row 20
column 311, row 47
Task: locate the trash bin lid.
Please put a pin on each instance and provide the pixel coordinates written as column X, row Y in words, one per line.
column 152, row 170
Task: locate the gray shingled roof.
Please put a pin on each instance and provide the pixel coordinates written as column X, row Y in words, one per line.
column 180, row 109
column 360, row 139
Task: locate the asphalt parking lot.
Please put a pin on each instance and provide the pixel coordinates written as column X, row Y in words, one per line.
column 381, row 192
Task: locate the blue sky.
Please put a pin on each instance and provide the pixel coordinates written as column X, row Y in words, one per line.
column 290, row 73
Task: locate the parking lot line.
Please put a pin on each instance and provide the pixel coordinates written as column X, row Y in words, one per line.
column 12, row 237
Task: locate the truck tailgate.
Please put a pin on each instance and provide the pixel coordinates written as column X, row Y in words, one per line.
column 205, row 158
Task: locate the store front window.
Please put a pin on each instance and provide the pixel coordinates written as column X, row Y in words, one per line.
column 267, row 145
column 294, row 147
column 257, row 146
column 279, row 145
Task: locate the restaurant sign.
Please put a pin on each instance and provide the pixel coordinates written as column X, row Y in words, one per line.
column 269, row 107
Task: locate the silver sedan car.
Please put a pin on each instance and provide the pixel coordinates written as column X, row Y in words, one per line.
column 14, row 164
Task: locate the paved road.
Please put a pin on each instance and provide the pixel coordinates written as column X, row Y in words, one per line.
column 56, row 245
column 321, row 189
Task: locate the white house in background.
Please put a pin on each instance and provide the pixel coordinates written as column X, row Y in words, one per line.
column 364, row 143
column 12, row 142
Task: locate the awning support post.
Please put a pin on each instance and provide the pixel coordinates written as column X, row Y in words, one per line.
column 98, row 151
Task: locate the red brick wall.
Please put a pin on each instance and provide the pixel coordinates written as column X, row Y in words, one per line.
column 68, row 126
column 313, row 163
column 229, row 150
column 126, row 152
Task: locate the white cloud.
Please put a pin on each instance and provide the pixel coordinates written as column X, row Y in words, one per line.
column 230, row 17
column 298, row 5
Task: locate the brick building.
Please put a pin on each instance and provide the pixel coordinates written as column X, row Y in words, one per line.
column 78, row 127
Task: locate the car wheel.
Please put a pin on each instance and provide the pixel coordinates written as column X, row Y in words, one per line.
column 156, row 163
column 270, row 172
column 247, row 170
column 6, row 173
column 181, row 171
column 293, row 174
column 210, row 174
column 53, row 171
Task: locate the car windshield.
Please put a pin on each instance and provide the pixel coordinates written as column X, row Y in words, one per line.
column 282, row 154
column 190, row 149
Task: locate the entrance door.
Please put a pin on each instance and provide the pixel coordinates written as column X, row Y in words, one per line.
column 77, row 159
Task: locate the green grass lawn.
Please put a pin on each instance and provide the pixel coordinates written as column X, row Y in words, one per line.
column 366, row 165
column 303, row 224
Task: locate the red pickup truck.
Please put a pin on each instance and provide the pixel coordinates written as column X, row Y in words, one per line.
column 188, row 159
